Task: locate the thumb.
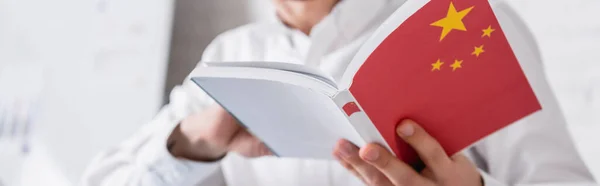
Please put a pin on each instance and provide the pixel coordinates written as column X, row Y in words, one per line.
column 248, row 145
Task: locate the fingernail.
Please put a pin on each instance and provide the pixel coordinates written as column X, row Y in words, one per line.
column 405, row 129
column 371, row 155
column 347, row 150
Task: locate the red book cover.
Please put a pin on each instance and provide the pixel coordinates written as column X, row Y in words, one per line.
column 450, row 68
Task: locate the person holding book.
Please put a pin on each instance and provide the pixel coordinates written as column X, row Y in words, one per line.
column 194, row 141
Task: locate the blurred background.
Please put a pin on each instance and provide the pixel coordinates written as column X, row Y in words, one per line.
column 77, row 76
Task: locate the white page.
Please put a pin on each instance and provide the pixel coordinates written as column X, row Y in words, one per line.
column 284, row 76
column 293, row 121
column 291, row 67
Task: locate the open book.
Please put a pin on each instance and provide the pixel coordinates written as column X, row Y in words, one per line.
column 447, row 65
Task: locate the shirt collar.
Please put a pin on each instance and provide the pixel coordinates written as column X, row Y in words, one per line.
column 352, row 15
column 346, row 22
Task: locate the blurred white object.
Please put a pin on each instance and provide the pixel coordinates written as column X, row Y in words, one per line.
column 15, row 124
column 102, row 63
column 567, row 33
column 21, row 86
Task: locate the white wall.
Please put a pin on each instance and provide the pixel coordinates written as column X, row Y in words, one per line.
column 104, row 64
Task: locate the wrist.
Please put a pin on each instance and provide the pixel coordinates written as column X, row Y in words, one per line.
column 182, row 146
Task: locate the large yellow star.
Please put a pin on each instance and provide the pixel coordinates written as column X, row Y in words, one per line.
column 478, row 50
column 452, row 21
column 488, row 31
column 456, row 64
column 437, row 65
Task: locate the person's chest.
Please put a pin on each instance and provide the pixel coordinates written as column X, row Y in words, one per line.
column 297, row 49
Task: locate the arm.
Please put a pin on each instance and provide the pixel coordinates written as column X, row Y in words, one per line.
column 537, row 149
column 144, row 158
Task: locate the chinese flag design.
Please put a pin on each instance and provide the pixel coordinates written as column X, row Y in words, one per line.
column 350, row 108
column 450, row 68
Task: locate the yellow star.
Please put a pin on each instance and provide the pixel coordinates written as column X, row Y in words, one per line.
column 452, row 21
column 456, row 64
column 488, row 31
column 437, row 65
column 478, row 50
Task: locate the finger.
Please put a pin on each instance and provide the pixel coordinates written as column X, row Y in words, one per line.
column 461, row 160
column 344, row 164
column 459, row 157
column 347, row 166
column 369, row 174
column 396, row 171
column 428, row 174
column 429, row 150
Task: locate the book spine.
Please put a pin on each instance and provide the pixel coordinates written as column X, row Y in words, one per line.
column 359, row 119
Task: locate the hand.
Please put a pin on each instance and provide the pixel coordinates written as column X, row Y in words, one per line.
column 210, row 134
column 374, row 165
